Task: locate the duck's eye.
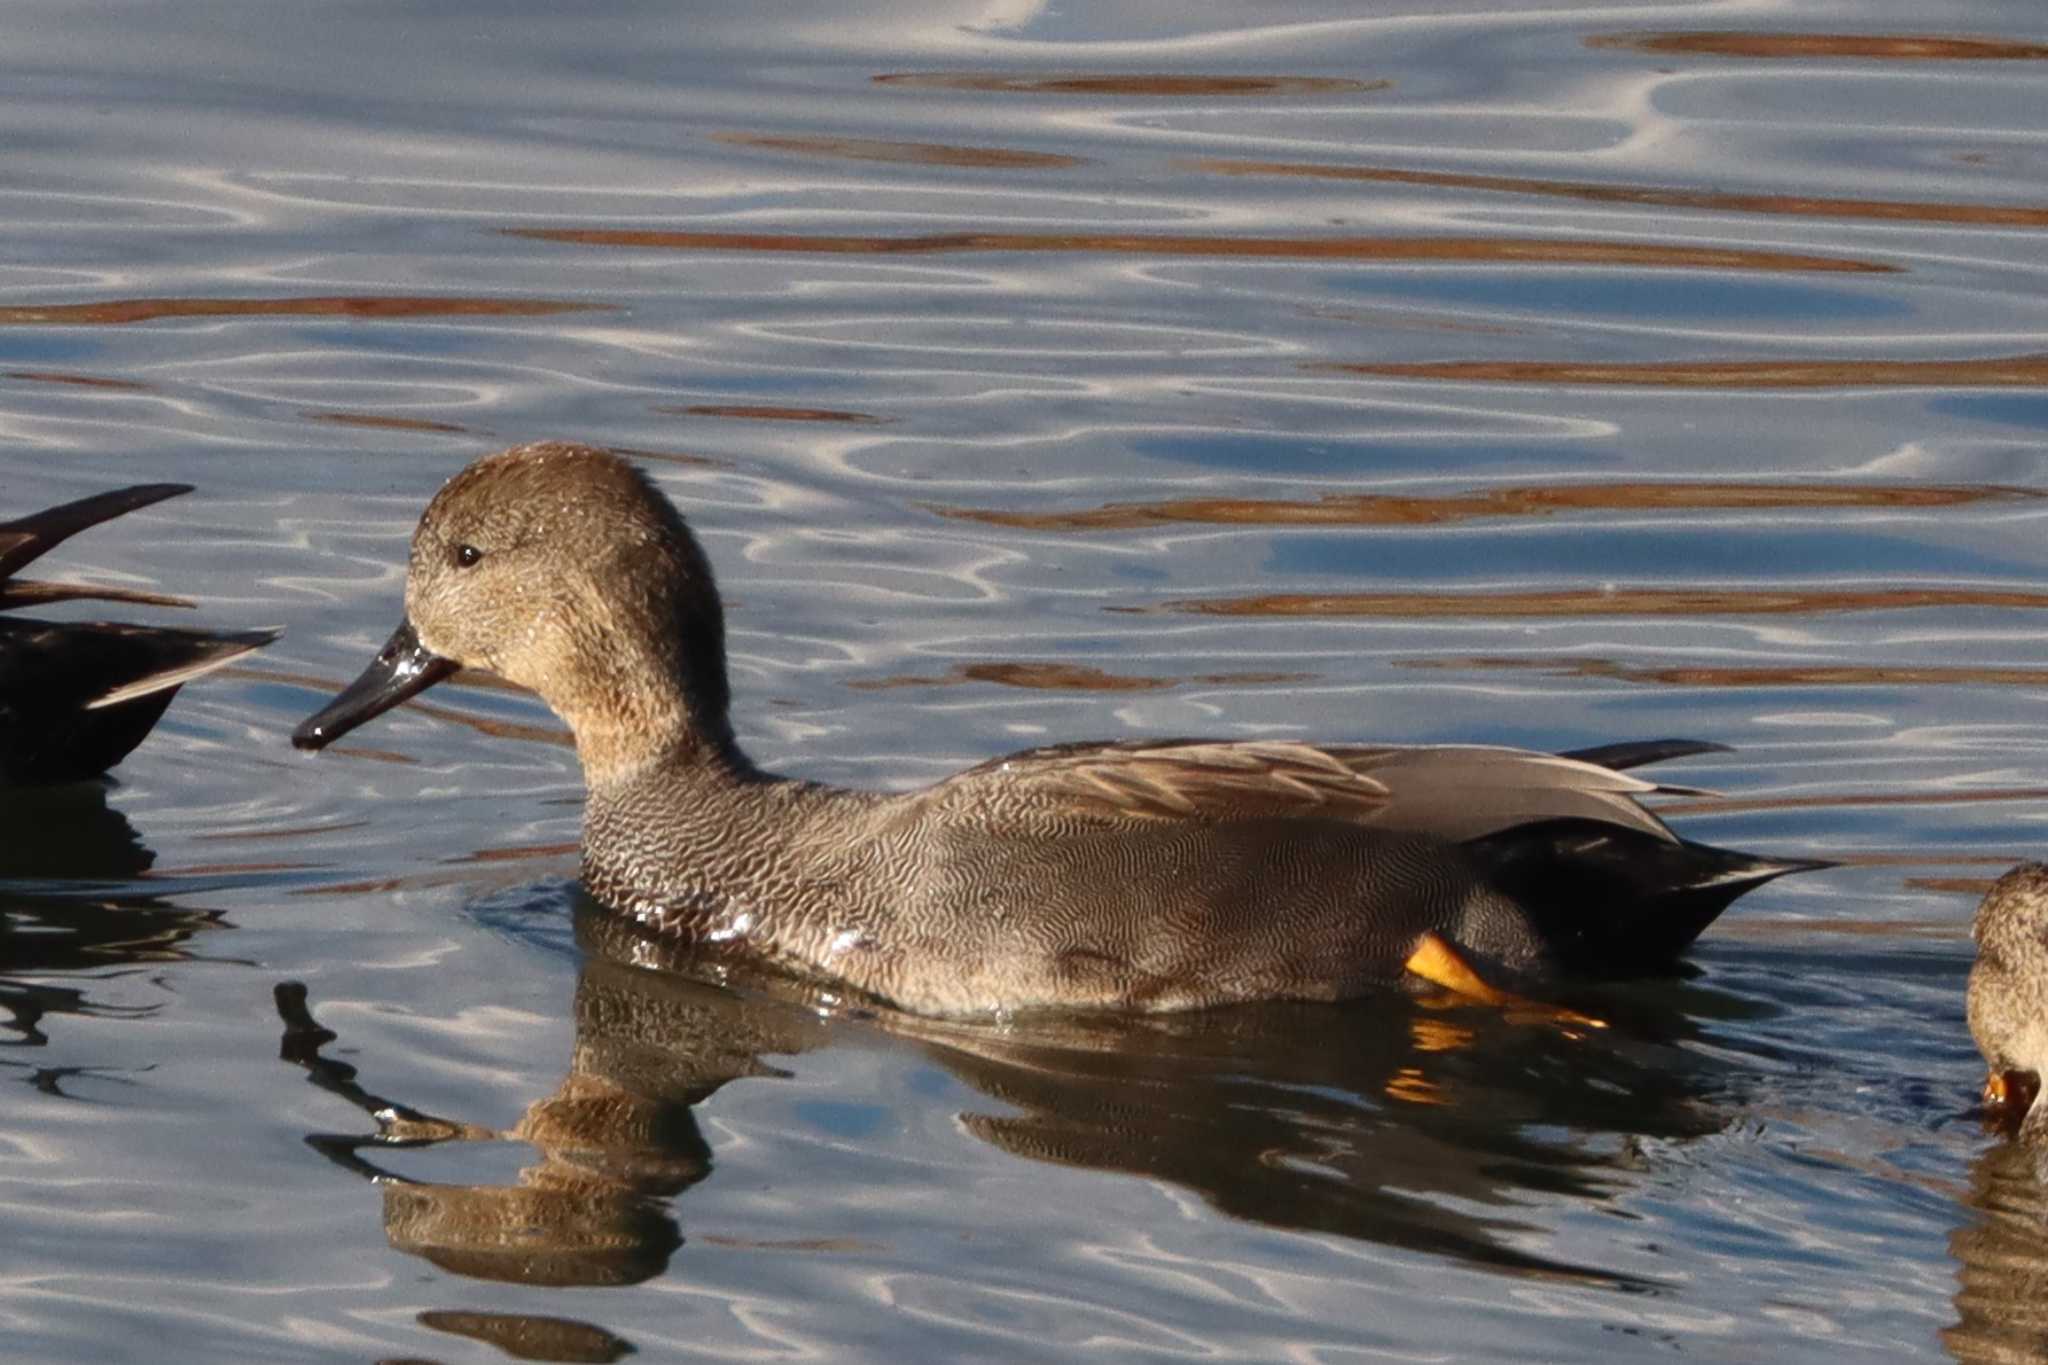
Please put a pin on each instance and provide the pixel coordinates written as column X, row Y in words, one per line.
column 467, row 555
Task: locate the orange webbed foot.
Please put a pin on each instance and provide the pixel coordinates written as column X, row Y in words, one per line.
column 1438, row 963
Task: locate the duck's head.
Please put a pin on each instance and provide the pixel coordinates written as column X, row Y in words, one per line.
column 563, row 569
column 2012, row 919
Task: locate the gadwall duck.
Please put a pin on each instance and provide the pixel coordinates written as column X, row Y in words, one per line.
column 75, row 697
column 1153, row 875
column 2008, row 997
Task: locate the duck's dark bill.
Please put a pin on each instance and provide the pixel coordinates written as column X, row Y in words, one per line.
column 403, row 668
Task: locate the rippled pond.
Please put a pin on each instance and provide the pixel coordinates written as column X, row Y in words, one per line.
column 1542, row 375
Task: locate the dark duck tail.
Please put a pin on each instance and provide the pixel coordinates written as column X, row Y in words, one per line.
column 1613, row 901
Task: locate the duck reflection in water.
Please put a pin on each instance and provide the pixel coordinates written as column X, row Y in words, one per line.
column 615, row 1139
column 2001, row 1257
column 1390, row 1122
column 66, row 913
column 2002, row 1253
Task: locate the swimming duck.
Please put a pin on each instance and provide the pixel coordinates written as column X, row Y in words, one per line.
column 76, row 697
column 1152, row 874
column 2008, row 996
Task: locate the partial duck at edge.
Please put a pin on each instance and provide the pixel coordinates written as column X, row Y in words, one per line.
column 2008, row 998
column 77, row 696
column 1154, row 874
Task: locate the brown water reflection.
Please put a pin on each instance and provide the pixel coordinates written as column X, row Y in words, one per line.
column 1808, row 46
column 379, row 422
column 114, row 312
column 759, row 413
column 904, row 153
column 674, row 457
column 1657, row 196
column 1753, row 675
column 1603, row 602
column 1364, row 1122
column 83, row 381
column 2015, row 371
column 1527, row 250
column 1973, row 887
column 1171, row 84
column 1391, row 509
column 263, row 833
column 1070, row 677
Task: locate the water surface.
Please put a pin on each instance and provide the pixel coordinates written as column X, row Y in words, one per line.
column 1534, row 374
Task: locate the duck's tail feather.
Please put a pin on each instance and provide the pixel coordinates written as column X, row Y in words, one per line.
column 1640, row 752
column 22, row 539
column 1613, row 900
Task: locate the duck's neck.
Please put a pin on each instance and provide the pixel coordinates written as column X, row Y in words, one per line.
column 637, row 710
column 700, row 844
column 618, row 745
column 639, row 684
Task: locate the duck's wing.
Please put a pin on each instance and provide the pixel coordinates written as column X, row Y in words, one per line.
column 1114, row 783
column 1607, row 885
column 161, row 659
column 1452, row 792
column 1461, row 792
column 76, row 697
column 25, row 538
